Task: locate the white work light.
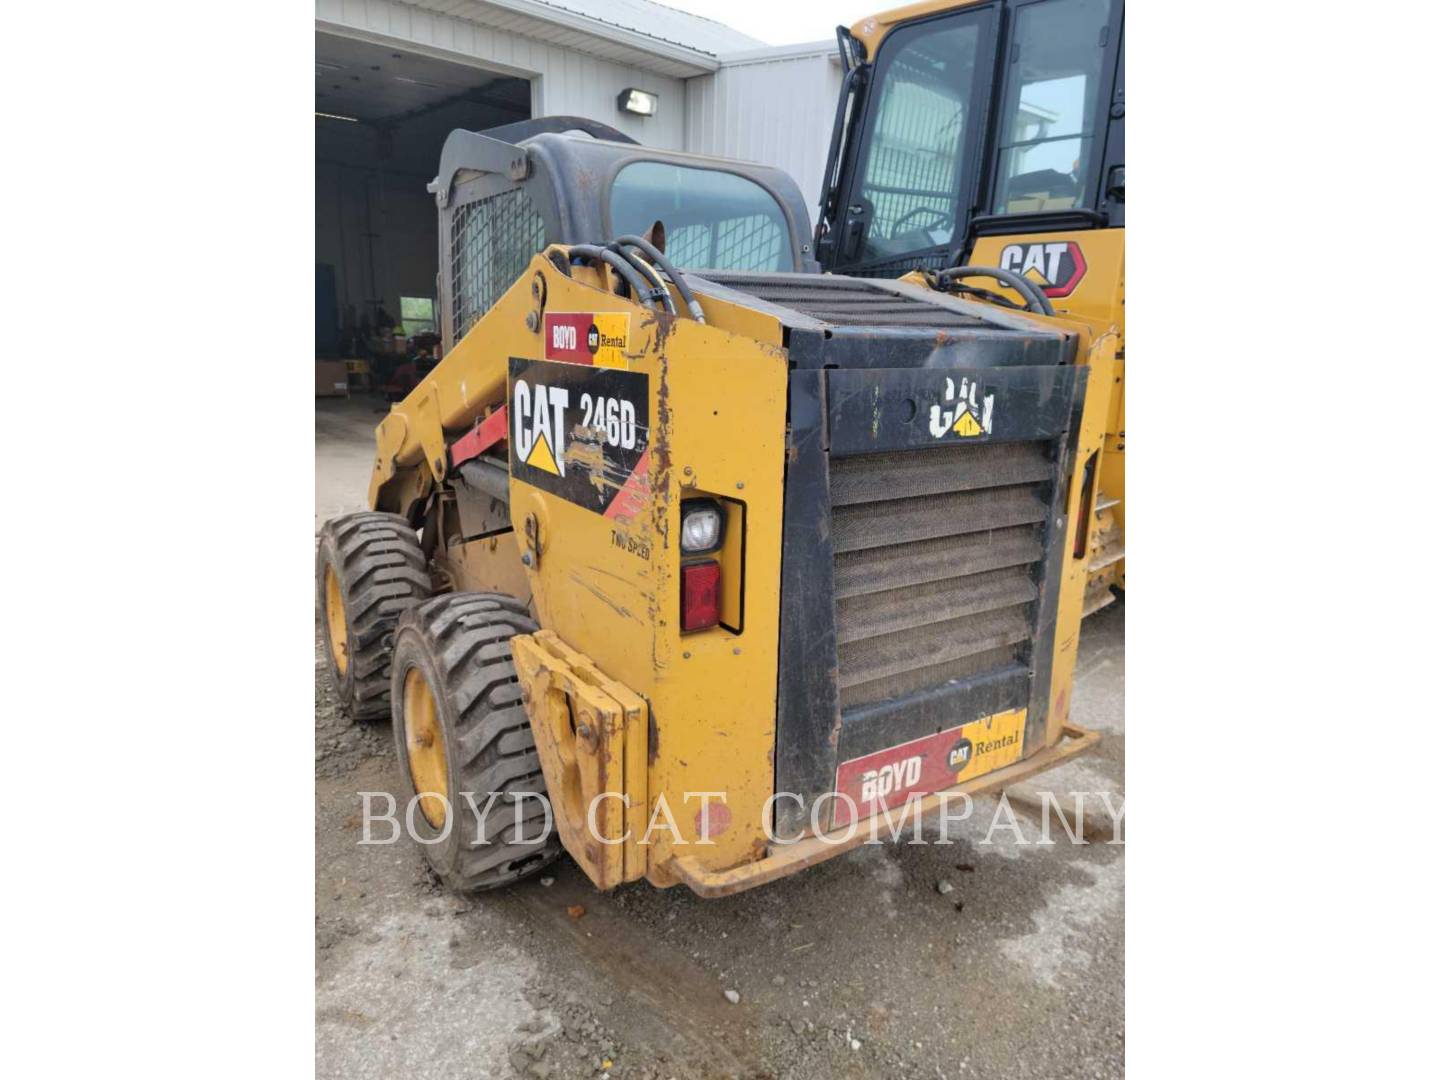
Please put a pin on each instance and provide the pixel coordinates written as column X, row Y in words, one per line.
column 639, row 102
column 701, row 521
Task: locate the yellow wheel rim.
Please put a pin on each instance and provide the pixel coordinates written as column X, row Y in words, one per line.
column 335, row 618
column 425, row 747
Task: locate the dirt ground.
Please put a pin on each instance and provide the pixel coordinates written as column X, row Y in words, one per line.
column 1003, row 959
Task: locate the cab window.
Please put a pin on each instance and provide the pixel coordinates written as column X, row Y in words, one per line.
column 914, row 161
column 1050, row 119
column 713, row 220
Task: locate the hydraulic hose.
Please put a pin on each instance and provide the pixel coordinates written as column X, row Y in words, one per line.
column 656, row 256
column 1036, row 300
column 657, row 290
column 621, row 266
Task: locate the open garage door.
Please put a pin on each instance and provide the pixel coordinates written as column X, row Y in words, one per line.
column 381, row 117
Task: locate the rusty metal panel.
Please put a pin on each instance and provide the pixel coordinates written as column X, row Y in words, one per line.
column 587, row 730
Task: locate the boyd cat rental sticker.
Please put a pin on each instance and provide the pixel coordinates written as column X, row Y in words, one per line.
column 884, row 779
column 582, row 433
column 599, row 339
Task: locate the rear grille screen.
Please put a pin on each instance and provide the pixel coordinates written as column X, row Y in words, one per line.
column 936, row 554
column 844, row 301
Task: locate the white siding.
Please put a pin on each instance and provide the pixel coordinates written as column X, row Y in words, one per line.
column 566, row 81
column 773, row 106
column 777, row 111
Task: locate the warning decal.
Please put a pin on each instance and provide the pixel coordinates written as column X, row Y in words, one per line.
column 599, row 339
column 582, row 433
column 883, row 780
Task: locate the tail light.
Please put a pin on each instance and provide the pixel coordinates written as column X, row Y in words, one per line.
column 699, row 595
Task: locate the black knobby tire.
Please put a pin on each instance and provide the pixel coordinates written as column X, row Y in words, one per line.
column 381, row 573
column 460, row 644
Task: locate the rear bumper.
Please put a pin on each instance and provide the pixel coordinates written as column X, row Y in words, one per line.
column 785, row 859
column 591, row 736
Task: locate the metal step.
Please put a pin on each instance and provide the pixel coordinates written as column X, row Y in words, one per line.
column 1099, row 601
column 1108, row 557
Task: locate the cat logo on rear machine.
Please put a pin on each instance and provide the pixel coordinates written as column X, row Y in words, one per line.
column 1056, row 267
column 971, row 416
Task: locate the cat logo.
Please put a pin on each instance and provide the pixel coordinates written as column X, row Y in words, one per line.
column 959, row 755
column 1056, row 267
column 539, row 425
column 969, row 417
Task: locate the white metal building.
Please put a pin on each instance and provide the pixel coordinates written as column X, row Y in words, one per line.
column 393, row 78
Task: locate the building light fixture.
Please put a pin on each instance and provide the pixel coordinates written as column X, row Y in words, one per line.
column 638, row 102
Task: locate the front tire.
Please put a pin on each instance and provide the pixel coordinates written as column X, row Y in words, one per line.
column 460, row 727
column 369, row 570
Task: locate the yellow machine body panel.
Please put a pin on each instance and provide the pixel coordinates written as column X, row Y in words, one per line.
column 610, row 587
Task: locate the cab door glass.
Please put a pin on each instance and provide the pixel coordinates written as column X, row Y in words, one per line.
column 1051, row 111
column 914, row 162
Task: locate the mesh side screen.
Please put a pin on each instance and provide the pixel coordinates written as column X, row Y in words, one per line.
column 491, row 241
column 743, row 243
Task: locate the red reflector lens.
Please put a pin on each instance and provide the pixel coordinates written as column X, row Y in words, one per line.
column 699, row 595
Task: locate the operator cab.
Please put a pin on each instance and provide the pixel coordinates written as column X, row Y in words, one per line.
column 1004, row 117
column 506, row 194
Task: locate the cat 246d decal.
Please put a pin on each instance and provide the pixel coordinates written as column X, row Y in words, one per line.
column 582, row 433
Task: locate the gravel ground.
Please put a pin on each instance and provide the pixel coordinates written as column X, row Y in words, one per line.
column 867, row 965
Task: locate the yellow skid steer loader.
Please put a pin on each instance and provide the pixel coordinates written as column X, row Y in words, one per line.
column 727, row 562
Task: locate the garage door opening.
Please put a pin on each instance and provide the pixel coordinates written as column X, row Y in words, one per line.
column 381, row 118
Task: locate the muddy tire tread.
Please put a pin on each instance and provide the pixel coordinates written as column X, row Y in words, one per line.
column 382, row 571
column 467, row 635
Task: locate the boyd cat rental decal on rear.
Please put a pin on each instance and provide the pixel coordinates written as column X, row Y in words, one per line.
column 582, row 433
column 885, row 779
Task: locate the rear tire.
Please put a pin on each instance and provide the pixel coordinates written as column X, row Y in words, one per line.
column 369, row 570
column 453, row 688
